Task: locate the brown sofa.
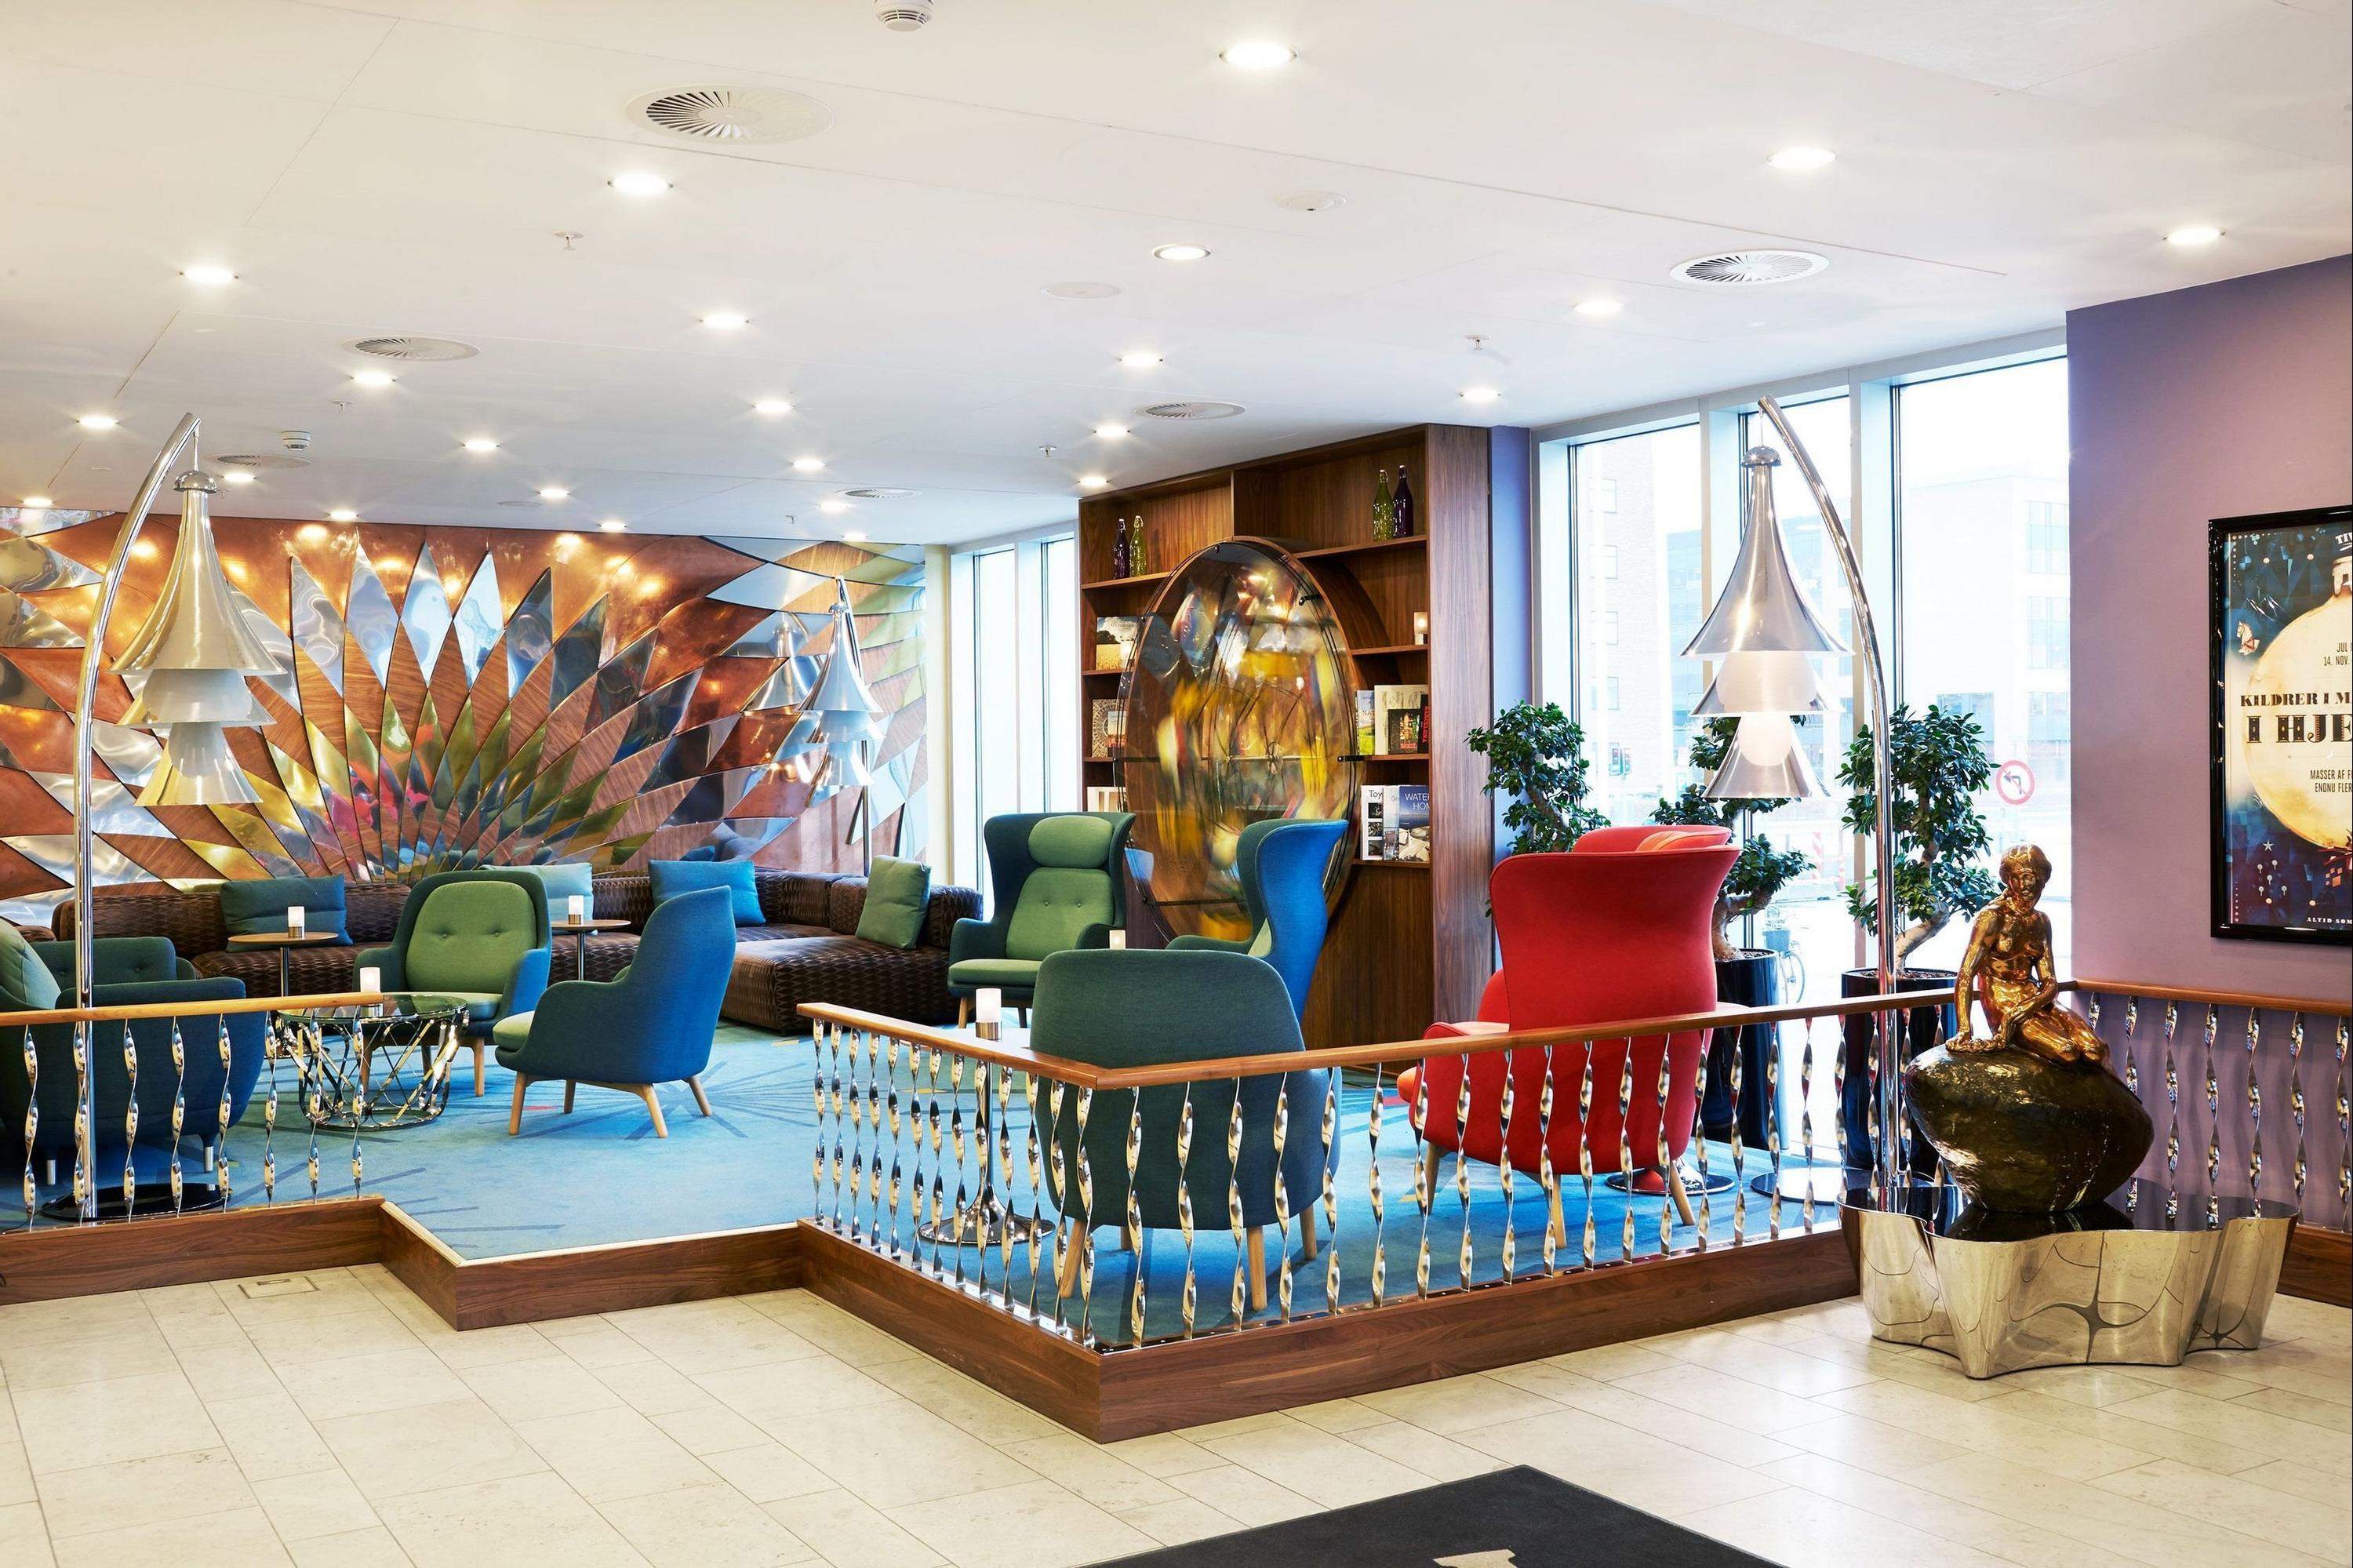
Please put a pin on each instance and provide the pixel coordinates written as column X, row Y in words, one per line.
column 806, row 951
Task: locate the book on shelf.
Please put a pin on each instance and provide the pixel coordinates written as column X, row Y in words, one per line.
column 1400, row 721
column 1372, row 817
column 1106, row 729
column 1366, row 727
column 1115, row 639
column 1393, row 822
column 1106, row 798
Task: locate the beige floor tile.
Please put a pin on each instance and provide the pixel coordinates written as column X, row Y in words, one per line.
column 228, row 1369
column 74, row 1425
column 597, row 1344
column 486, row 1346
column 363, row 1328
column 1866, row 1445
column 1617, row 1402
column 371, row 1548
column 767, row 1472
column 896, row 1453
column 1324, row 1469
column 364, row 1386
column 141, row 1491
column 1455, row 1404
column 77, row 1318
column 849, row 1534
column 1632, row 1466
column 1093, row 1472
column 2094, row 1386
column 712, row 1336
column 1948, row 1518
column 1777, row 1366
column 521, row 1521
column 1793, row 1525
column 607, row 1454
column 537, row 1390
column 709, row 1429
column 704, row 1527
column 1208, row 1429
column 427, row 1447
column 1735, row 1402
column 24, row 1542
column 1163, row 1454
column 1336, row 1416
column 1175, row 1522
column 2115, row 1424
column 1607, row 1363
column 1034, row 1525
column 1242, row 1495
column 239, row 1539
column 2297, row 1480
column 16, row 1470
column 2323, row 1529
column 301, row 1508
column 2324, row 1412
column 654, row 1387
column 136, row 1349
column 1982, row 1428
column 1418, row 1449
column 2035, row 1496
column 333, row 1292
column 2258, row 1432
column 2215, row 1375
column 792, row 1392
column 2293, row 1316
column 951, row 1395
column 839, row 1334
column 269, row 1435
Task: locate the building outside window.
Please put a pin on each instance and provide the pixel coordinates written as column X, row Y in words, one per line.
column 1017, row 698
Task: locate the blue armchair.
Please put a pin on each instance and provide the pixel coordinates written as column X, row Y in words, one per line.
column 1141, row 1009
column 133, row 971
column 1058, row 880
column 651, row 1025
column 1281, row 863
column 481, row 936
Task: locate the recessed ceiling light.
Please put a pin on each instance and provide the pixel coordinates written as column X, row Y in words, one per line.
column 37, row 504
column 555, row 492
column 1802, row 160
column 772, row 406
column 1110, row 432
column 239, row 476
column 96, row 421
column 207, row 275
column 1140, row 359
column 612, row 525
column 1599, row 307
column 1480, row 394
column 833, row 506
column 481, row 444
column 638, row 183
column 343, row 515
column 726, row 320
column 1181, row 252
column 2195, row 234
column 1258, row 54
column 373, row 381
column 807, row 465
column 1093, row 481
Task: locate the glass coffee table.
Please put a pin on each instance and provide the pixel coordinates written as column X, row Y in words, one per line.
column 374, row 1067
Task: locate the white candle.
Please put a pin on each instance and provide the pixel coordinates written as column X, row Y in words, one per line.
column 1118, row 938
column 577, row 905
column 987, row 1005
column 294, row 919
column 1421, row 626
column 371, row 979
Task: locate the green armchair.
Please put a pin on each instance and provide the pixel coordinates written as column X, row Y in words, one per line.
column 1058, row 880
column 1281, row 863
column 481, row 936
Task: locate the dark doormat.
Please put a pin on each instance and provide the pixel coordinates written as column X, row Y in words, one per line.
column 1518, row 1518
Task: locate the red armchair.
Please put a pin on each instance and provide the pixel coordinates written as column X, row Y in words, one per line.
column 1613, row 930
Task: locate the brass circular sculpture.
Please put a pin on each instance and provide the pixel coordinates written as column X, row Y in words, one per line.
column 2029, row 1119
column 1240, row 708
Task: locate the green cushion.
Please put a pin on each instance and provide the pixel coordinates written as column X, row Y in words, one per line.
column 468, row 937
column 26, row 983
column 1007, row 974
column 1056, row 905
column 258, row 908
column 564, row 879
column 672, row 877
column 512, row 1030
column 1070, row 841
column 896, row 893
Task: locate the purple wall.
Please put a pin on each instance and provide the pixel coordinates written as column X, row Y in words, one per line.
column 2210, row 402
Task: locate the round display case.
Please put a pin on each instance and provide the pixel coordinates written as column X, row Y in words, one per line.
column 1239, row 706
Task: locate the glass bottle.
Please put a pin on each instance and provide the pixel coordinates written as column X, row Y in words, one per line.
column 1401, row 507
column 1119, row 551
column 1384, row 507
column 1139, row 554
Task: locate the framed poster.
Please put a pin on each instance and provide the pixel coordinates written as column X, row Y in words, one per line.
column 2282, row 743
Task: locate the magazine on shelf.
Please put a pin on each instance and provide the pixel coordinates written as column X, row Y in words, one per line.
column 1367, row 730
column 1372, row 814
column 1394, row 822
column 1106, row 798
column 1106, row 729
column 1115, row 639
column 1400, row 715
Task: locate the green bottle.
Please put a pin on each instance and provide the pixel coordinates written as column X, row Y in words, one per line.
column 1384, row 508
column 1139, row 554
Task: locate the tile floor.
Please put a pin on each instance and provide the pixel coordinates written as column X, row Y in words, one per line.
column 338, row 1422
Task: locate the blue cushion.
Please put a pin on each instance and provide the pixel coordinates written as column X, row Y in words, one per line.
column 258, row 908
column 564, row 880
column 672, row 877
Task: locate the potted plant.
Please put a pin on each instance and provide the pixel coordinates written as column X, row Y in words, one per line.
column 1937, row 766
column 1536, row 757
column 1744, row 977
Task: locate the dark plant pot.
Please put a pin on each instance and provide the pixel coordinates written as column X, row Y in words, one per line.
column 1924, row 1028
column 1752, row 979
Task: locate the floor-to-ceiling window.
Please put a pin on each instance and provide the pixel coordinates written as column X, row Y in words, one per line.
column 1016, row 671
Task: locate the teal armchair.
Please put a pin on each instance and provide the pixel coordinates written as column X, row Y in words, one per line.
column 1058, row 880
column 479, row 936
column 651, row 1025
column 1144, row 1009
column 1281, row 863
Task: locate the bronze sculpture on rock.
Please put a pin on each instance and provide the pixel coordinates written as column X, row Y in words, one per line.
column 2028, row 1118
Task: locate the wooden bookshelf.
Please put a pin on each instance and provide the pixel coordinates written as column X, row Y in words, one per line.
column 1409, row 949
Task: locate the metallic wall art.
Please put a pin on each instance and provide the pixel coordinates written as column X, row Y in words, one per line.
column 456, row 696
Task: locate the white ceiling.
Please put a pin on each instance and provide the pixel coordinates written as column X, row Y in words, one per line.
column 403, row 169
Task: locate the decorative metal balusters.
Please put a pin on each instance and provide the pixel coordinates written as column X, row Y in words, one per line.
column 1625, row 1145
column 32, row 1124
column 2173, row 1115
column 2213, row 1123
column 1380, row 1263
column 2296, row 1102
column 1507, row 1253
column 2255, row 1106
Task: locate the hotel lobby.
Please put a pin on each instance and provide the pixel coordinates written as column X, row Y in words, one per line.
column 973, row 782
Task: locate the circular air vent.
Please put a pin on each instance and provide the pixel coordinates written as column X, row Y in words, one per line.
column 408, row 347
column 261, row 459
column 1081, row 290
column 1196, row 410
column 878, row 492
column 1740, row 269
column 732, row 116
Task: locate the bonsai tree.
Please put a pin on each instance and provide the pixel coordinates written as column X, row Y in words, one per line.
column 1939, row 764
column 1761, row 870
column 1537, row 758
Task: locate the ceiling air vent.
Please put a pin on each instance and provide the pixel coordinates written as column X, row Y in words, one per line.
column 878, row 492
column 1196, row 410
column 732, row 116
column 1740, row 269
column 404, row 347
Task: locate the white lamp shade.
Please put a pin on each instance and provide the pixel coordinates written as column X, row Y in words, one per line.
column 194, row 696
column 1764, row 762
column 1762, row 684
column 197, row 769
column 197, row 623
column 1762, row 609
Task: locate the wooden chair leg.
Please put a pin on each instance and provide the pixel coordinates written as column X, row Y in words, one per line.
column 964, row 1010
column 1066, row 1266
column 653, row 1108
column 514, row 1117
column 701, row 1100
column 1254, row 1245
column 1431, row 1155
column 571, row 1085
column 480, row 1061
column 1675, row 1174
column 1558, row 1225
column 1308, row 1234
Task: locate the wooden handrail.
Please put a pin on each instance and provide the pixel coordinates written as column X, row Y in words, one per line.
column 125, row 1011
column 2328, row 1009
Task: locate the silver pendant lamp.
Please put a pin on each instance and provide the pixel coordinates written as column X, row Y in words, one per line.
column 849, row 720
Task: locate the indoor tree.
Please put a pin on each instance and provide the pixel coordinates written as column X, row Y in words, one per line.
column 1536, row 757
column 1761, row 870
column 1938, row 764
